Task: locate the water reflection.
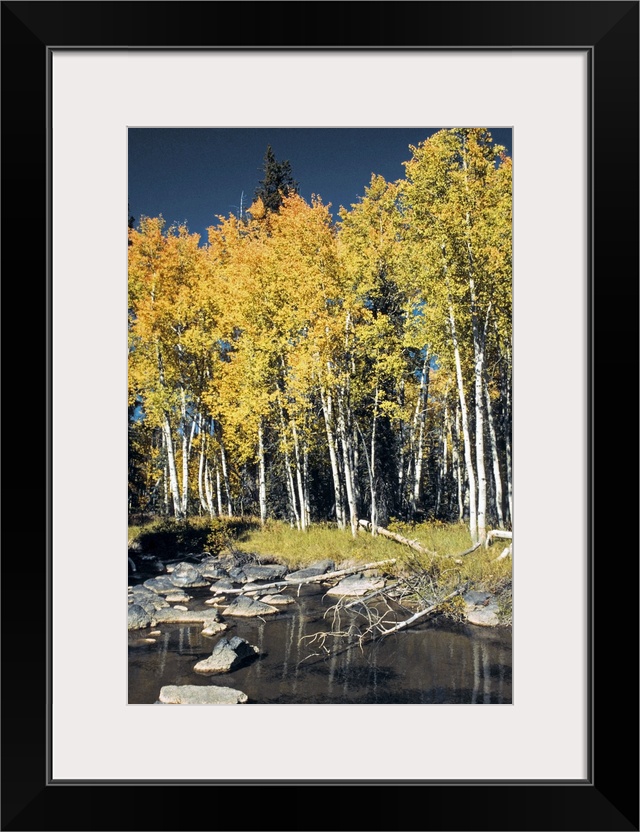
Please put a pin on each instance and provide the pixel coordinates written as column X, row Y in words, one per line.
column 427, row 664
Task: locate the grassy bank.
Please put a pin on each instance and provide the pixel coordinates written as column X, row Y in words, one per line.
column 278, row 542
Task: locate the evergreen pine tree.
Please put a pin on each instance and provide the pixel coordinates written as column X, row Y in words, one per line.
column 278, row 182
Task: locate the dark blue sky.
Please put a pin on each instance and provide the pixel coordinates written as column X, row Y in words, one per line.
column 194, row 174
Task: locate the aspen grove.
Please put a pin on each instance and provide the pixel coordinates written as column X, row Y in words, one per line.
column 318, row 370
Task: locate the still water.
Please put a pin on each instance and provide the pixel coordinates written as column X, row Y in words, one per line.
column 430, row 663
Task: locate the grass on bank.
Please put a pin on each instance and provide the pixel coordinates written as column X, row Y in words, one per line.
column 278, row 542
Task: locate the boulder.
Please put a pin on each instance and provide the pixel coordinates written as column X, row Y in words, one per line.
column 222, row 586
column 313, row 571
column 186, row 575
column 475, row 598
column 201, row 695
column 271, row 572
column 248, row 607
column 160, row 585
column 237, row 574
column 256, row 590
column 214, row 628
column 481, row 608
column 177, row 597
column 212, row 570
column 174, row 616
column 228, row 654
column 147, row 599
column 356, row 585
column 138, row 617
column 485, row 616
column 277, row 600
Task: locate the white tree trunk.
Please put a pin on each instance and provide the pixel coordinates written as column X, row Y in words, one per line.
column 455, row 458
column 262, row 481
column 201, row 466
column 345, row 441
column 305, row 480
column 372, row 469
column 507, row 439
column 187, row 442
column 301, row 495
column 478, row 370
column 497, row 476
column 295, row 517
column 333, row 456
column 471, row 477
column 225, row 477
column 218, row 488
column 421, row 413
column 171, row 463
column 208, row 489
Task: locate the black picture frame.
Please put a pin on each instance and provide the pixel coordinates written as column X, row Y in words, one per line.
column 608, row 798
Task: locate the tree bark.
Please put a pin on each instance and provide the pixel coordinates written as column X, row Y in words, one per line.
column 301, row 495
column 345, row 441
column 471, row 477
column 262, row 483
column 173, row 473
column 225, row 476
column 325, row 399
column 497, row 477
column 289, row 478
column 421, row 414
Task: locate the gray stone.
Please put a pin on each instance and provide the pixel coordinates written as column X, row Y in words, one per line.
column 138, row 617
column 222, row 586
column 484, row 616
column 201, row 695
column 356, row 585
column 213, row 570
column 277, row 600
column 248, row 607
column 214, row 628
column 227, row 655
column 174, row 616
column 475, row 598
column 313, row 571
column 143, row 596
column 270, row 572
column 256, row 590
column 237, row 574
column 186, row 575
column 160, row 585
column 177, row 597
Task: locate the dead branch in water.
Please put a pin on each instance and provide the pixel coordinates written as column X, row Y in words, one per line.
column 421, row 614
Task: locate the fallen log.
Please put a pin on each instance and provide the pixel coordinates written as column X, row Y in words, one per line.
column 468, row 551
column 498, row 534
column 327, row 576
column 505, row 553
column 413, row 544
column 421, row 614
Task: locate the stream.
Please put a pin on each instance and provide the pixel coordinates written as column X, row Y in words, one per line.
column 429, row 663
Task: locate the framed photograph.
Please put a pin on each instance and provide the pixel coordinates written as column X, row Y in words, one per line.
column 561, row 79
